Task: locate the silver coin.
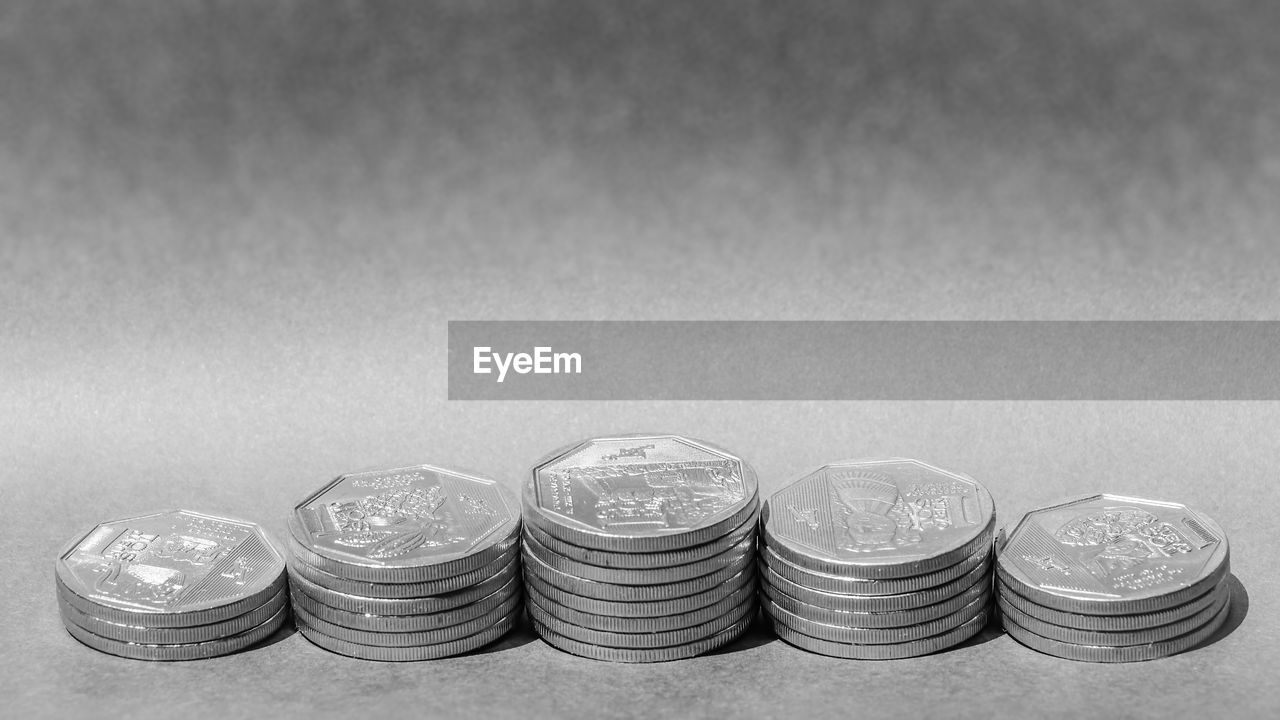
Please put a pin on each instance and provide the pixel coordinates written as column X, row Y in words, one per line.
column 644, row 655
column 1109, row 623
column 876, row 603
column 1128, row 653
column 645, row 560
column 661, row 623
column 655, row 576
column 1112, row 638
column 1109, row 554
column 398, row 591
column 177, row 635
column 878, row 519
column 175, row 568
column 406, row 606
column 470, row 563
column 405, row 525
column 411, row 639
column 650, row 640
column 891, row 619
column 631, row 593
column 896, row 651
column 640, row 493
column 877, row 636
column 642, row 609
column 856, row 586
column 408, row 623
column 408, row 654
column 192, row 651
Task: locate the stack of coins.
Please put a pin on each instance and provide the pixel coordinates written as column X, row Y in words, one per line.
column 640, row 548
column 413, row 563
column 1107, row 578
column 878, row 559
column 173, row 585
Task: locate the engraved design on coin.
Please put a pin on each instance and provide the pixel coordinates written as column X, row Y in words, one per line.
column 878, row 511
column 1108, row 547
column 174, row 561
column 641, row 485
column 402, row 515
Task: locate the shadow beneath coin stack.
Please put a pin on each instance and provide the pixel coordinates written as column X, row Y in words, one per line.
column 991, row 631
column 758, row 633
column 522, row 634
column 284, row 633
column 1235, row 615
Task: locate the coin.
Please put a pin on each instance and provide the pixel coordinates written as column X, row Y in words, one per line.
column 175, row 568
column 631, row 593
column 1113, row 638
column 1128, row 653
column 643, row 655
column 406, row 606
column 192, row 651
column 734, row 556
column 1108, row 623
column 878, row 636
column 469, row 564
column 408, row 623
column 640, row 493
column 173, row 635
column 1109, row 554
column 884, row 652
column 894, row 618
column 405, row 525
column 876, row 603
column 876, row 519
column 625, row 624
column 645, row 560
column 857, row 586
column 437, row 636
column 637, row 609
column 397, row 591
column 409, row 654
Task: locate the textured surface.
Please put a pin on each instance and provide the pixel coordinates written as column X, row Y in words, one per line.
column 231, row 235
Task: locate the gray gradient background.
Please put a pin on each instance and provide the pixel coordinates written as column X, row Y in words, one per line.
column 231, row 236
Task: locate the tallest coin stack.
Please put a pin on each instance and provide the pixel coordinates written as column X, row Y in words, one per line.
column 640, row 548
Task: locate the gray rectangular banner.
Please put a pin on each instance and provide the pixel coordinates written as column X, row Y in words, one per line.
column 864, row 360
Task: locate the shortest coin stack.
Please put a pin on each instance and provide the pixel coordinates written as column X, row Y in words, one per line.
column 877, row 559
column 173, row 585
column 413, row 563
column 641, row 548
column 1107, row 578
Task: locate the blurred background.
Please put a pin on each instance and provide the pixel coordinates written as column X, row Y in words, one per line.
column 231, row 234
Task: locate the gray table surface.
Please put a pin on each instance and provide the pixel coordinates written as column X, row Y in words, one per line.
column 232, row 236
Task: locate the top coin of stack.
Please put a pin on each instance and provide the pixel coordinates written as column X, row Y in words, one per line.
column 878, row 559
column 1107, row 578
column 640, row 548
column 411, row 563
column 173, row 585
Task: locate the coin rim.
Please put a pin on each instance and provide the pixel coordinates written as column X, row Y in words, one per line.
column 182, row 652
column 1128, row 653
column 877, row 603
column 407, row 623
column 174, row 635
column 396, row 591
column 630, row 576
